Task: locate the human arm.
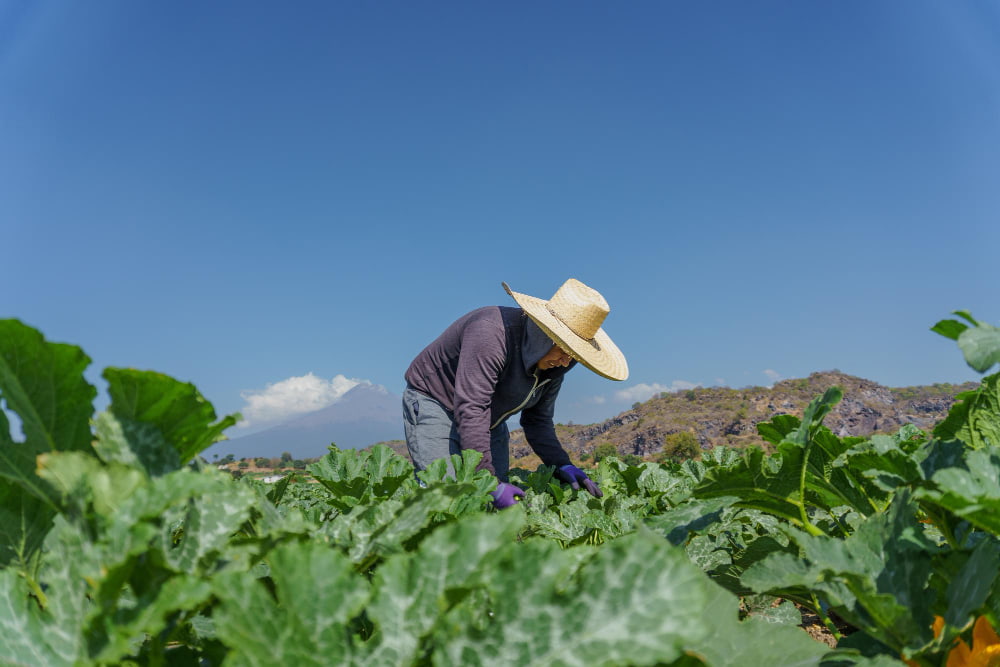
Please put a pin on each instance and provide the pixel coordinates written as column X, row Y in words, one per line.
column 481, row 358
column 540, row 432
column 539, row 429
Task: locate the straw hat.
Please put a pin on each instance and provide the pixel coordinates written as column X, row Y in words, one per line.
column 573, row 318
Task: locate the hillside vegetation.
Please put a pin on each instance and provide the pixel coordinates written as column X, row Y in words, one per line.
column 722, row 416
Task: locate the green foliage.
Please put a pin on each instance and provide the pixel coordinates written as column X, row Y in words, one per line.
column 975, row 418
column 356, row 478
column 679, row 446
column 604, row 450
column 157, row 413
column 120, row 547
column 979, row 342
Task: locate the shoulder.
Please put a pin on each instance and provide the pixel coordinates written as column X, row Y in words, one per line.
column 483, row 323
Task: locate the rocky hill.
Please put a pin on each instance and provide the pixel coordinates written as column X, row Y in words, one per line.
column 723, row 416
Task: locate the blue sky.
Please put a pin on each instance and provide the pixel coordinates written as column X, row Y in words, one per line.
column 244, row 194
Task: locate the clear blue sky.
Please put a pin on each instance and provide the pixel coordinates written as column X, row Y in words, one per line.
column 241, row 193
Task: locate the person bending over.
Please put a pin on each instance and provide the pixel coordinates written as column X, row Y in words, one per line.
column 496, row 361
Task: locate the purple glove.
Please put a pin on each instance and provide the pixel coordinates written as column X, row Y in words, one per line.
column 505, row 494
column 575, row 477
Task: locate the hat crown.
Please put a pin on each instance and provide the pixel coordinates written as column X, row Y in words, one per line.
column 581, row 308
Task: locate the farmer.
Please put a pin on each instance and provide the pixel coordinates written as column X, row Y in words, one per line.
column 495, row 361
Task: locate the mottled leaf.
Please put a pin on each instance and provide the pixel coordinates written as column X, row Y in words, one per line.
column 177, row 409
column 304, row 622
column 981, row 346
column 412, row 590
column 634, row 601
column 43, row 384
column 972, row 493
column 138, row 444
column 975, row 417
column 762, row 640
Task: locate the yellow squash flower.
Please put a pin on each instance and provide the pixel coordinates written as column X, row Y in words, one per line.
column 985, row 651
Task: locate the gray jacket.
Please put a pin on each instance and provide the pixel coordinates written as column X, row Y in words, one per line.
column 482, row 370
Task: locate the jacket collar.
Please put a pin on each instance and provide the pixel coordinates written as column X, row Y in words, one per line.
column 534, row 344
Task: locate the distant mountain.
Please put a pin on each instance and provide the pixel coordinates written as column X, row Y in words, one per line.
column 364, row 415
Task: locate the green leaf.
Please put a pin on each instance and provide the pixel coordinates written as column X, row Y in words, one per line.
column 305, row 621
column 884, row 460
column 975, row 417
column 764, row 607
column 361, row 477
column 981, row 346
column 761, row 640
column 177, row 409
column 461, row 468
column 24, row 522
column 877, row 578
column 633, row 601
column 412, row 590
column 780, row 426
column 43, row 384
column 144, row 518
column 950, row 328
column 25, row 518
column 967, row 316
column 80, row 479
column 696, row 515
column 970, row 587
column 769, row 484
column 150, row 615
column 800, row 473
column 33, row 636
column 138, row 444
column 371, row 532
column 208, row 522
column 972, row 492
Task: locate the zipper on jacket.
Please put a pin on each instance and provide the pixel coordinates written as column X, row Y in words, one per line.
column 523, row 403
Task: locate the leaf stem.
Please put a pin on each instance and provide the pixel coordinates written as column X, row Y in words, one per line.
column 806, row 523
column 827, row 621
column 36, row 590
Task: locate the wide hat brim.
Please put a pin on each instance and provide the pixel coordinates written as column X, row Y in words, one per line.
column 599, row 353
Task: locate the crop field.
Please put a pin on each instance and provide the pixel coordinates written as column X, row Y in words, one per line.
column 121, row 546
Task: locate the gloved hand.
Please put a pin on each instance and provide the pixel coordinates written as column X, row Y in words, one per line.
column 575, row 477
column 505, row 494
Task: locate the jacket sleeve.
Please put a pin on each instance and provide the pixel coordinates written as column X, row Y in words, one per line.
column 539, row 430
column 482, row 356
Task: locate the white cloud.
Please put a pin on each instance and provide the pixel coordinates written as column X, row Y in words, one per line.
column 642, row 392
column 679, row 385
column 294, row 396
column 772, row 375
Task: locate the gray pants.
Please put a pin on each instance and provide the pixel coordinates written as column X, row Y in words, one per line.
column 431, row 434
